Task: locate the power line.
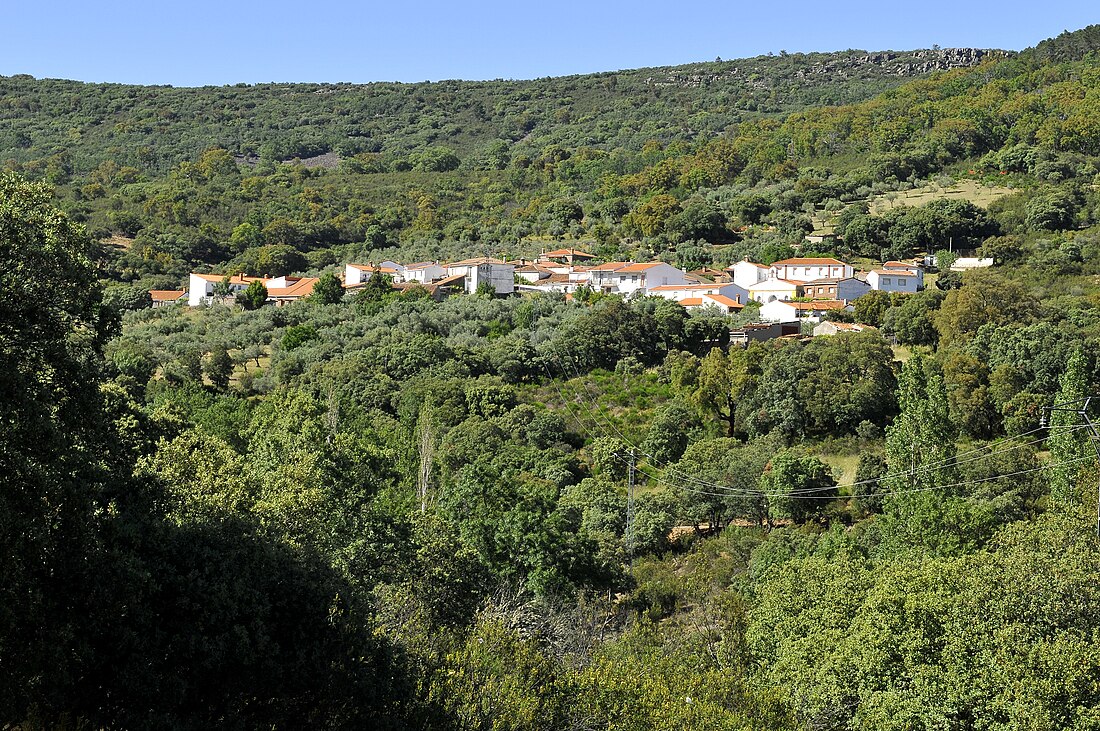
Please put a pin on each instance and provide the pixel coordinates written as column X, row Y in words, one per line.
column 726, row 490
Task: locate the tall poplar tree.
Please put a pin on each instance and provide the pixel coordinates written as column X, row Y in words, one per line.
column 1067, row 444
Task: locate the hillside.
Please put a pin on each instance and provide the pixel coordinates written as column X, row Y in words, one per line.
column 401, row 508
column 153, row 128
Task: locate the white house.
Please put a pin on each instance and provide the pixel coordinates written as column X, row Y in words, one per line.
column 500, row 275
column 535, row 272
column 200, row 287
column 680, row 292
column 893, row 281
column 747, row 273
column 809, row 269
column 554, row 283
column 846, row 289
column 355, row 274
column 773, row 289
column 283, row 290
column 779, row 311
column 905, row 266
column 279, row 289
column 423, row 272
column 627, row 277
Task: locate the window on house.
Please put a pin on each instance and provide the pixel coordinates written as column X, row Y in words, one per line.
column 901, row 282
column 886, row 280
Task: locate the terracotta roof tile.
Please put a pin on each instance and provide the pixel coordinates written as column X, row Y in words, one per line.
column 723, row 300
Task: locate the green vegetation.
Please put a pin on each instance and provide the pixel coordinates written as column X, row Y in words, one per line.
column 388, row 511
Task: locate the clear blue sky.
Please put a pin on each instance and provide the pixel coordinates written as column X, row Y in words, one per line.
column 206, row 42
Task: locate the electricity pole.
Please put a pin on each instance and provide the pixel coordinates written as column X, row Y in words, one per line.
column 630, row 507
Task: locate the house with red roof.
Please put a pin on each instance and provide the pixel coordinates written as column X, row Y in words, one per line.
column 280, row 290
column 680, row 292
column 627, row 277
column 166, row 297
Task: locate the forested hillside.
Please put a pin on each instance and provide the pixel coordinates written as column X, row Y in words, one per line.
column 389, row 510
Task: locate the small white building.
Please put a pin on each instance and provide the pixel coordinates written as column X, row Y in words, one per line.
column 679, row 292
column 905, row 266
column 280, row 290
column 500, row 275
column 535, row 272
column 355, row 274
column 773, row 289
column 809, row 269
column 747, row 273
column 200, row 287
column 423, row 272
column 628, row 277
column 884, row 280
column 779, row 311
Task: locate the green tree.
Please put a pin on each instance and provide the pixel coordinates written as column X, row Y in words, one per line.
column 870, row 309
column 51, row 442
column 377, row 288
column 799, row 488
column 868, row 483
column 1068, row 447
column 328, row 290
column 668, row 433
column 920, row 443
column 254, row 296
column 219, row 368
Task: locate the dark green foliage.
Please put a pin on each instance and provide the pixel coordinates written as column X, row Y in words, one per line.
column 328, row 290
column 668, row 433
column 868, row 486
column 828, row 385
column 610, row 330
column 219, row 368
column 297, row 335
column 799, row 487
column 253, row 297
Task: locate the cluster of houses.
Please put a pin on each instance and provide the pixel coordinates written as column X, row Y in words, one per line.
column 791, row 290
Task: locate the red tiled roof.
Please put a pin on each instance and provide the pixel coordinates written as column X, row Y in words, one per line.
column 723, row 300
column 167, row 295
column 374, row 267
column 300, row 288
column 570, row 252
column 641, row 267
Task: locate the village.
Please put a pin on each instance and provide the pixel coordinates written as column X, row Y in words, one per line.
column 789, row 292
